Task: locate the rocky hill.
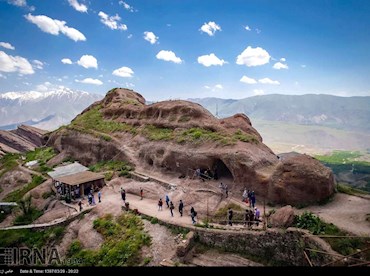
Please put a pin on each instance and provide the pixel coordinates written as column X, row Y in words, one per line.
column 176, row 137
column 22, row 139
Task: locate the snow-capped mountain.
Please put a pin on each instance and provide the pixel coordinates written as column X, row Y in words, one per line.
column 46, row 110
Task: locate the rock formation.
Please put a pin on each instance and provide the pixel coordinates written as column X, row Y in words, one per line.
column 180, row 136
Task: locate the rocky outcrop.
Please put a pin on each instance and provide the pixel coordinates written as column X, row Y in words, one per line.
column 22, row 139
column 179, row 136
column 282, row 218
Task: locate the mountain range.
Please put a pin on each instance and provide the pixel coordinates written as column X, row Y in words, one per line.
column 45, row 110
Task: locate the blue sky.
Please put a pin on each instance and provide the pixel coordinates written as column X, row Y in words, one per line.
column 185, row 48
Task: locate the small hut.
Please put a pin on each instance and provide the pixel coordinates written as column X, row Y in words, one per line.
column 74, row 180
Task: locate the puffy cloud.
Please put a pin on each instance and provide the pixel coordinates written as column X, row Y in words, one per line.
column 19, row 64
column 283, row 60
column 112, row 21
column 247, row 28
column 209, row 60
column 268, row 81
column 210, row 28
column 7, row 45
column 279, row 65
column 219, row 86
column 248, row 80
column 258, row 92
column 253, row 57
column 38, row 64
column 66, row 61
column 88, row 61
column 126, row 6
column 149, row 36
column 124, row 72
column 19, row 3
column 214, row 88
column 43, row 87
column 90, row 81
column 168, row 56
column 54, row 27
column 77, row 6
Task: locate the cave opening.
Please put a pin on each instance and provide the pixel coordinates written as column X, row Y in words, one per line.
column 222, row 171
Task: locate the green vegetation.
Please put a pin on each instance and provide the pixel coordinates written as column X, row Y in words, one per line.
column 157, row 134
column 110, row 167
column 48, row 194
column 221, row 214
column 31, row 238
column 345, row 162
column 344, row 245
column 123, row 239
column 346, row 189
column 93, row 120
column 42, row 155
column 8, row 162
column 244, row 137
column 17, row 195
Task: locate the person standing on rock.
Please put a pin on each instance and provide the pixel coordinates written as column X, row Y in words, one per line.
column 160, row 204
column 141, row 193
column 257, row 215
column 181, row 207
column 99, row 196
column 80, row 205
column 123, row 195
column 171, row 208
column 226, row 191
column 253, row 199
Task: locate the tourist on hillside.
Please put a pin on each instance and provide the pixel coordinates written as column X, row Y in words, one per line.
column 246, row 217
column 226, row 190
column 141, row 193
column 160, row 204
column 168, row 201
column 221, row 186
column 99, row 196
column 123, row 195
column 80, row 205
column 251, row 219
column 93, row 199
column 257, row 215
column 253, row 199
column 230, row 216
column 89, row 198
column 181, row 207
column 171, row 208
column 193, row 214
column 245, row 195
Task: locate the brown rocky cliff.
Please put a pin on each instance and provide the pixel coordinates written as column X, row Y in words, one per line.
column 175, row 136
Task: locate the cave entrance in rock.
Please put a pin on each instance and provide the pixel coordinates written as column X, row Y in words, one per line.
column 222, row 171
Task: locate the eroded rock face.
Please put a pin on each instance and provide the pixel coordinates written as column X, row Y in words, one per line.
column 229, row 147
column 300, row 179
column 283, row 217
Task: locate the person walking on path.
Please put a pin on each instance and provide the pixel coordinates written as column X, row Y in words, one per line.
column 171, row 208
column 99, row 196
column 80, row 205
column 141, row 193
column 160, row 204
column 93, row 199
column 257, row 214
column 226, row 191
column 193, row 214
column 253, row 199
column 230, row 216
column 181, row 207
column 123, row 195
column 168, row 201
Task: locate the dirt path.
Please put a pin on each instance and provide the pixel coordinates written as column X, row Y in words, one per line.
column 345, row 211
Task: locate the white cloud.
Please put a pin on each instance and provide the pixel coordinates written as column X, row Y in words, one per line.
column 43, row 87
column 38, row 64
column 21, row 3
column 88, row 61
column 258, row 92
column 303, row 66
column 54, row 27
column 66, row 61
column 19, row 64
column 279, row 65
column 268, row 81
column 168, row 56
column 210, row 28
column 90, row 81
column 124, row 72
column 248, row 80
column 129, row 36
column 258, row 31
column 207, row 87
column 214, row 88
column 149, row 36
column 247, row 28
column 77, row 6
column 7, row 45
column 126, row 6
column 219, row 86
column 209, row 60
column 283, row 59
column 112, row 21
column 253, row 57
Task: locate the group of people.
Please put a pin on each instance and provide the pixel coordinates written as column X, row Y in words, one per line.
column 249, row 197
column 171, row 206
column 90, row 199
column 250, row 217
column 224, row 189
